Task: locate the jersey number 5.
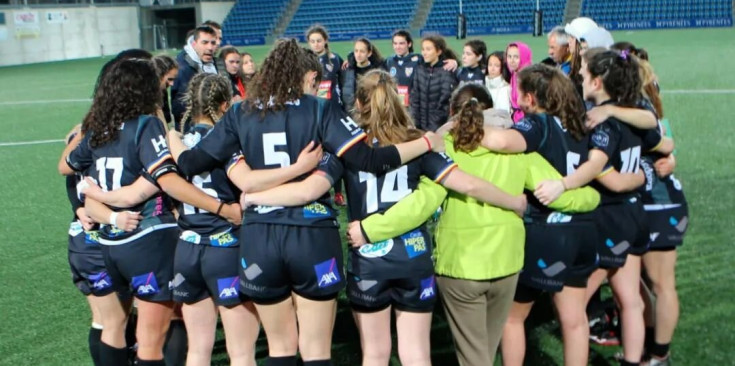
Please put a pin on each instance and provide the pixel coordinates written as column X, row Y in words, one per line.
column 270, row 155
column 395, row 187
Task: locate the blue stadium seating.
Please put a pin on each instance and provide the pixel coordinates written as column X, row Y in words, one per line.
column 492, row 13
column 342, row 16
column 607, row 11
column 252, row 18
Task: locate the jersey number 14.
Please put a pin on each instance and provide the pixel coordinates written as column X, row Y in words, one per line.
column 395, row 187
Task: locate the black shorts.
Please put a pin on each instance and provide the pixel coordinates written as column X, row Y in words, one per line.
column 88, row 272
column 559, row 254
column 202, row 271
column 144, row 266
column 276, row 260
column 667, row 227
column 623, row 230
column 416, row 294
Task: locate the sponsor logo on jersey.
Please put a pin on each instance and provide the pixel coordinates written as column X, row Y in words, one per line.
column 618, row 248
column 191, row 139
column 365, row 285
column 400, row 62
column 375, row 250
column 251, row 272
column 350, row 125
column 470, row 75
column 190, row 237
column 177, row 281
column 427, row 288
column 160, row 145
column 600, row 139
column 393, row 70
column 329, row 67
column 415, row 243
column 100, row 281
column 550, row 271
column 316, row 210
column 327, row 273
column 523, row 125
column 653, row 236
column 266, row 209
column 92, row 237
column 145, row 284
column 228, row 287
column 225, row 239
column 409, row 71
column 558, row 218
column 680, row 225
column 415, row 58
column 75, row 228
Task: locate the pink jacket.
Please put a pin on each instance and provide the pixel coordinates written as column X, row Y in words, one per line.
column 526, row 55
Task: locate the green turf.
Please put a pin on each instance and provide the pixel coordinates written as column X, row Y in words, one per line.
column 44, row 320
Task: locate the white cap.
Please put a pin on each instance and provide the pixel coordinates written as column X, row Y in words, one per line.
column 598, row 37
column 579, row 26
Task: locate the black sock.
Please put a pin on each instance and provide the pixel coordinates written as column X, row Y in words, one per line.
column 659, row 350
column 318, row 363
column 650, row 336
column 281, row 361
column 174, row 350
column 111, row 356
column 139, row 362
column 626, row 363
column 94, row 345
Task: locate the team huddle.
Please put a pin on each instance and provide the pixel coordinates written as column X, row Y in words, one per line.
column 545, row 178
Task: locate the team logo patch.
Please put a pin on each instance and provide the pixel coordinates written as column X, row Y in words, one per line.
column 409, row 71
column 618, row 248
column 393, row 71
column 228, row 287
column 427, row 288
column 145, row 284
column 600, row 139
column 680, row 225
column 316, row 210
column 550, row 271
column 470, row 75
column 415, row 58
column 523, row 125
column 558, row 218
column 92, row 237
column 100, row 281
column 376, row 250
column 415, row 243
column 327, row 273
column 400, row 62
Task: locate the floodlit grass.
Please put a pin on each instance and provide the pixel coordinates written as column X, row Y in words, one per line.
column 45, row 320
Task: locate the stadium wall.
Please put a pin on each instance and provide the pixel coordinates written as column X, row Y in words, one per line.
column 216, row 11
column 34, row 35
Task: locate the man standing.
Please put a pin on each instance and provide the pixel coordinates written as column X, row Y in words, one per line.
column 558, row 41
column 197, row 56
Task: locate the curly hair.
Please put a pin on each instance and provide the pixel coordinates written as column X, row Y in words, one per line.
column 381, row 113
column 310, row 62
column 280, row 79
column 556, row 94
column 467, row 103
column 128, row 89
column 205, row 95
column 620, row 74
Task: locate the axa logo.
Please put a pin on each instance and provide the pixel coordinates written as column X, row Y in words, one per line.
column 327, row 273
column 427, row 288
column 550, row 271
column 145, row 284
column 680, row 225
column 618, row 248
column 228, row 287
column 100, row 281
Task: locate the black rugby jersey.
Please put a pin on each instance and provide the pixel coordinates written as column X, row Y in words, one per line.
column 140, row 148
column 546, row 135
column 214, row 183
column 623, row 145
column 402, row 68
column 474, row 75
column 329, row 87
column 275, row 140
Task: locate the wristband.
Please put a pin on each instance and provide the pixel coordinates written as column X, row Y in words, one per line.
column 428, row 143
column 219, row 209
column 113, row 218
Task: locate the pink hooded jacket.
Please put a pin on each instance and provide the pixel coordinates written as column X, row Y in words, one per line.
column 526, row 55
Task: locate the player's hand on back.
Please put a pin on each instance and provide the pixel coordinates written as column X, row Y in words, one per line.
column 665, row 166
column 309, row 157
column 597, row 115
column 549, row 190
column 354, row 235
column 450, row 65
column 436, row 140
column 87, row 222
column 127, row 220
column 232, row 212
column 522, row 204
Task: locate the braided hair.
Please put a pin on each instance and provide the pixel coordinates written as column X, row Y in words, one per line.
column 205, row 95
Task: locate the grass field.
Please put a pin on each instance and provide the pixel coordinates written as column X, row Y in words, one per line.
column 44, row 319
